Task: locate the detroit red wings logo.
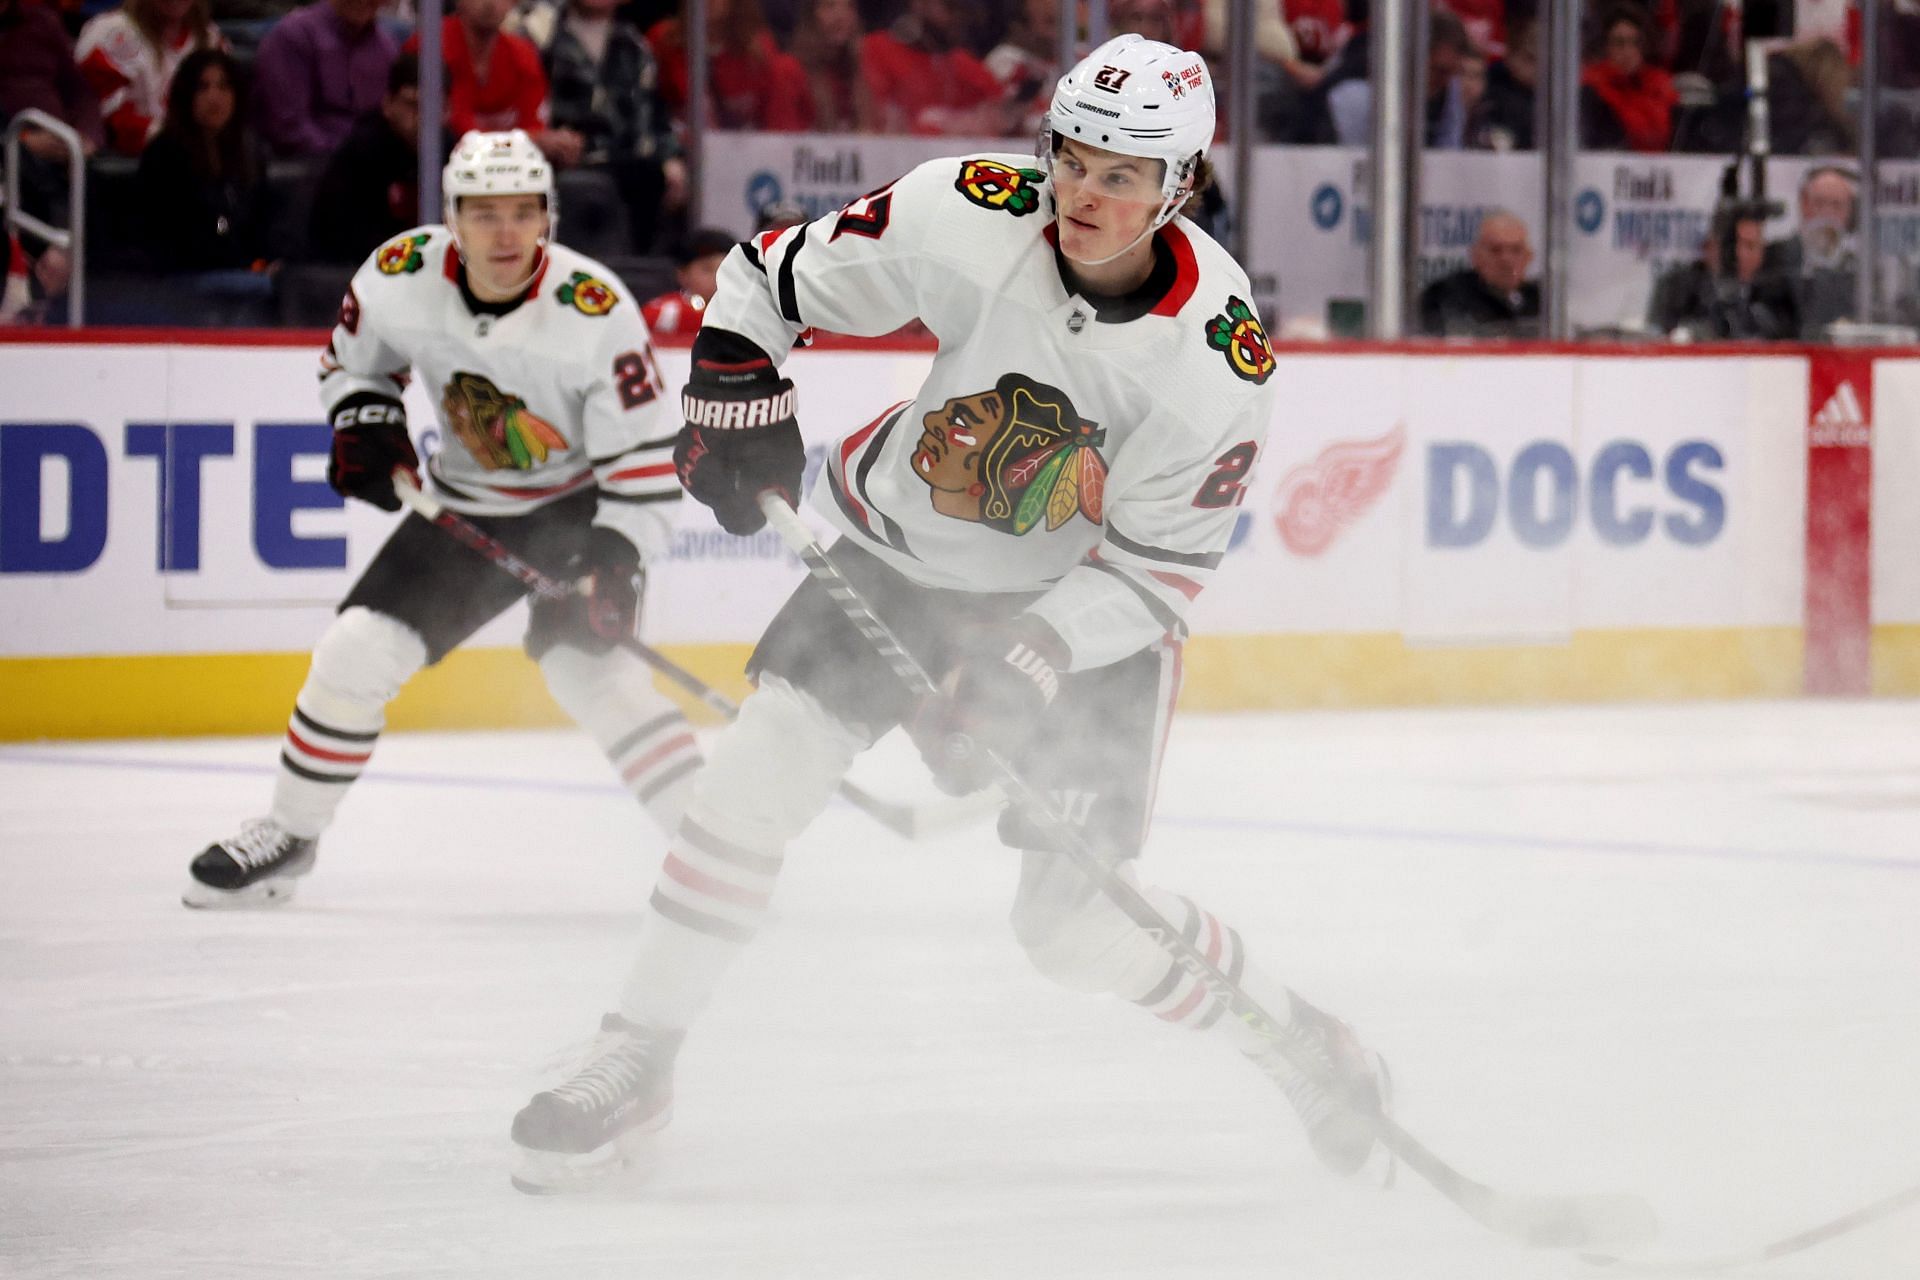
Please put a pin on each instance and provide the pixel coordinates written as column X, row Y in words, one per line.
column 1317, row 500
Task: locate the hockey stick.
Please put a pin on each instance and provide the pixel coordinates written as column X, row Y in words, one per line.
column 1842, row 1225
column 1573, row 1222
column 909, row 820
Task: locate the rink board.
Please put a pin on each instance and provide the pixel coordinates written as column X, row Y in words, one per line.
column 1425, row 525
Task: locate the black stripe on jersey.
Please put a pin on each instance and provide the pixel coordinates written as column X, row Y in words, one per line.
column 1198, row 559
column 752, row 251
column 896, row 536
column 699, row 921
column 1155, row 605
column 789, row 295
column 861, row 522
column 640, row 499
column 341, row 734
column 660, row 782
column 299, row 771
column 665, row 442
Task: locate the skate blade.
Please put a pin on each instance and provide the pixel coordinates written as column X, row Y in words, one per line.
column 272, row 892
column 629, row 1158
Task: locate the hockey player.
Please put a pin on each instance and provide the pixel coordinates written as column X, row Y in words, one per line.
column 555, row 440
column 1034, row 525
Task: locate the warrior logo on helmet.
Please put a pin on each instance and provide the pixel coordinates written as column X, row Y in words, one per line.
column 1013, row 456
column 586, row 295
column 402, row 255
column 992, row 185
column 497, row 428
column 1238, row 335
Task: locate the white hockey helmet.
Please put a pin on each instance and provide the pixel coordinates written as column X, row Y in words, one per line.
column 498, row 164
column 1137, row 97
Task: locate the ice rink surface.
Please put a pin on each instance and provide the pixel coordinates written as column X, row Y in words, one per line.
column 1672, row 950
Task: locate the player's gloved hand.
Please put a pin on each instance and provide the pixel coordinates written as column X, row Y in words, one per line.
column 370, row 443
column 992, row 701
column 604, row 610
column 740, row 438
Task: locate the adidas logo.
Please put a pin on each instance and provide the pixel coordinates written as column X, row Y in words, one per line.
column 1841, row 421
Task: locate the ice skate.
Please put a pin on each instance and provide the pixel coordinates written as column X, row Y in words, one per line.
column 257, row 868
column 600, row 1121
column 1338, row 1104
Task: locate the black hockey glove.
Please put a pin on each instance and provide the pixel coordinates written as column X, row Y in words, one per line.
column 993, row 700
column 740, row 436
column 370, row 443
column 604, row 610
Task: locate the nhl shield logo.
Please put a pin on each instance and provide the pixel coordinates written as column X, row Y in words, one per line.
column 1237, row 334
column 401, row 256
column 992, row 185
column 586, row 294
column 1012, row 456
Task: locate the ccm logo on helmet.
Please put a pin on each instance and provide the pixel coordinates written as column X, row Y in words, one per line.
column 730, row 415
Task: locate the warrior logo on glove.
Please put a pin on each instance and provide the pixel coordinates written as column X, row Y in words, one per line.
column 497, row 428
column 1012, row 457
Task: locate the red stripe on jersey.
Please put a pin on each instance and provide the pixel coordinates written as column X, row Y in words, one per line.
column 643, row 473
column 1214, row 938
column 1186, row 271
column 1188, row 1005
column 507, row 492
column 848, row 448
column 700, row 882
column 318, row 753
column 1185, row 586
column 675, row 744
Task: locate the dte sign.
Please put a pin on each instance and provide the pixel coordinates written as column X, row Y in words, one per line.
column 1543, row 493
column 67, row 463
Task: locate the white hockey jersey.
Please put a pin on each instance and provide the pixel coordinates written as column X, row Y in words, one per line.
column 560, row 393
column 1096, row 458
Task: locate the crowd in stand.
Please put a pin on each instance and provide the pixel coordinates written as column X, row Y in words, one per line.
column 229, row 139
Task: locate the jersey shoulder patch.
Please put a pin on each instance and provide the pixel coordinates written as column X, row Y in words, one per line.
column 1235, row 331
column 997, row 185
column 403, row 255
column 586, row 293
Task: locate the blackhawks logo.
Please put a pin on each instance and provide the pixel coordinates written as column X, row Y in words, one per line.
column 497, row 428
column 1238, row 334
column 1012, row 456
column 403, row 255
column 586, row 295
column 992, row 185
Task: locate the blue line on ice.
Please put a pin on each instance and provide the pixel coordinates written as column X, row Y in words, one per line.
column 1253, row 825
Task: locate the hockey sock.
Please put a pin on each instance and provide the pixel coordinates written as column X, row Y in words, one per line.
column 651, row 745
column 771, row 772
column 358, row 667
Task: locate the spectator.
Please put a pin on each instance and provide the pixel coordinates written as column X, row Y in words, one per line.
column 129, row 55
column 203, row 193
column 604, row 86
column 696, row 267
column 923, row 82
column 1319, row 29
column 1503, row 119
column 1493, row 298
column 754, row 85
column 1349, row 98
column 494, row 80
column 370, row 190
column 328, row 66
column 31, row 284
column 1628, row 102
column 1729, row 294
column 37, row 71
column 1819, row 258
column 826, row 44
column 1485, row 22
